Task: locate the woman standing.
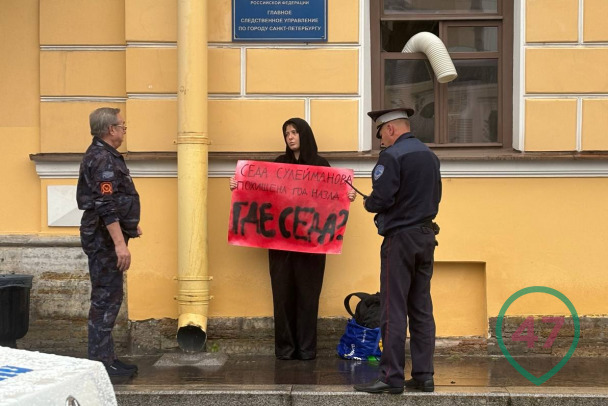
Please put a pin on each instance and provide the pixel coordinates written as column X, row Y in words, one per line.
column 296, row 277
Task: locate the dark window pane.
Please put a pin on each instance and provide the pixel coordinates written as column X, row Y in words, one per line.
column 472, row 39
column 409, row 83
column 395, row 34
column 473, row 102
column 440, row 6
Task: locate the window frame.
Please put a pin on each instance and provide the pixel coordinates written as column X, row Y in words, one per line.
column 503, row 19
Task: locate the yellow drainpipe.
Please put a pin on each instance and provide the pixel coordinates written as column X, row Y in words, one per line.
column 192, row 168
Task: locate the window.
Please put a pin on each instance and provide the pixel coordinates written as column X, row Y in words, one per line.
column 474, row 110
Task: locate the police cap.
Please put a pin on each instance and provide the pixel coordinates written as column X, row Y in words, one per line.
column 381, row 117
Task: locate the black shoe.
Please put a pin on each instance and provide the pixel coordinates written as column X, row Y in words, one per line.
column 116, row 370
column 378, row 386
column 309, row 356
column 425, row 386
column 124, row 365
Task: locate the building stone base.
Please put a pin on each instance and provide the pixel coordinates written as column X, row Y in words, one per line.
column 60, row 293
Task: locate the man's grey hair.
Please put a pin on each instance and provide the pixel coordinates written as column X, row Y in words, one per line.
column 101, row 119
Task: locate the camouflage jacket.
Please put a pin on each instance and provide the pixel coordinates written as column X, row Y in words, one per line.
column 106, row 191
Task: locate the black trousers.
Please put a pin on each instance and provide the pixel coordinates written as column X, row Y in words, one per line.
column 405, row 293
column 296, row 279
column 106, row 293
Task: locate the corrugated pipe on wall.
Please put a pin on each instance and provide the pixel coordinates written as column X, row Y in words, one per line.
column 436, row 52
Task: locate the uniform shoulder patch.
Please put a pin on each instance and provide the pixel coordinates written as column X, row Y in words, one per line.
column 378, row 171
column 106, row 188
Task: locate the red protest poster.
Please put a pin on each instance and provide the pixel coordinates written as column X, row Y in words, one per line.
column 289, row 207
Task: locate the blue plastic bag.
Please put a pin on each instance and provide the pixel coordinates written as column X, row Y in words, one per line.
column 358, row 342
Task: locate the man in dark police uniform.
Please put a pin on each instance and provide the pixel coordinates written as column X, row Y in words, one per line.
column 406, row 193
column 111, row 207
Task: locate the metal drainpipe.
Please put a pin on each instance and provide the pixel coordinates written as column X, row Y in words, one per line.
column 192, row 168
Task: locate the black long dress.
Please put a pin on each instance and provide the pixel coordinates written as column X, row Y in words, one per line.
column 297, row 277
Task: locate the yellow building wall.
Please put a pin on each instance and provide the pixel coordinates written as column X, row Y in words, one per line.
column 151, row 282
column 564, row 66
column 278, row 71
column 152, row 125
column 20, row 198
column 64, row 127
column 594, row 15
column 82, row 73
column 333, row 129
column 151, row 70
column 529, row 232
column 498, row 234
column 552, row 20
column 544, row 132
column 566, row 70
column 152, row 20
column 83, row 22
column 595, row 124
column 244, row 80
column 19, row 117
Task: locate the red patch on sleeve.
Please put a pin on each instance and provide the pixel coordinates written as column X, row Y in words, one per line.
column 106, row 188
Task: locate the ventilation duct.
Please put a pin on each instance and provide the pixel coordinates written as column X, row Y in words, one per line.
column 435, row 51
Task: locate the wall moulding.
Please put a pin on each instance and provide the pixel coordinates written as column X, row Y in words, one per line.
column 515, row 165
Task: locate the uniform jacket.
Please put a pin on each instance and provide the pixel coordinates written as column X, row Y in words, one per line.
column 406, row 186
column 106, row 191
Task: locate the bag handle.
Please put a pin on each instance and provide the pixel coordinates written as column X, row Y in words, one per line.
column 360, row 295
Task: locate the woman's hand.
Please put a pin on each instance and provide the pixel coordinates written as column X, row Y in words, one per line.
column 352, row 195
column 233, row 184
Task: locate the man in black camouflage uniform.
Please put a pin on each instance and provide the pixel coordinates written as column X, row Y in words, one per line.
column 111, row 207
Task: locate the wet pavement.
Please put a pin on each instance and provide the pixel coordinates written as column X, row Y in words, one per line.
column 331, row 370
column 241, row 380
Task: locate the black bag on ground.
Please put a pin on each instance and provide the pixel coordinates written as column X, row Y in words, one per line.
column 367, row 312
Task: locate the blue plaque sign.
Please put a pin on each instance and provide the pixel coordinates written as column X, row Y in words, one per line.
column 279, row 20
